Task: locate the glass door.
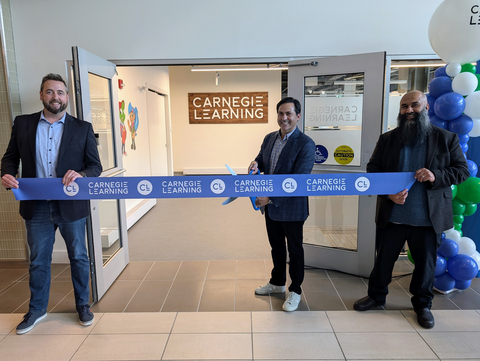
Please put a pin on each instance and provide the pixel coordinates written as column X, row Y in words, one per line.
column 342, row 101
column 96, row 101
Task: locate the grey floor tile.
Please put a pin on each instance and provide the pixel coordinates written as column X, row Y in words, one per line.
column 190, row 270
column 449, row 320
column 222, row 270
column 296, row 346
column 384, row 346
column 218, row 295
column 350, row 290
column 43, row 347
column 117, row 297
column 14, row 297
column 4, row 286
column 320, row 295
column 397, row 298
column 56, row 269
column 12, row 275
column 315, row 273
column 184, row 296
column 451, row 345
column 336, row 274
column 66, row 305
column 13, row 265
column 149, row 297
column 247, row 300
column 315, row 321
column 63, row 276
column 369, row 322
column 249, row 269
column 278, row 299
column 134, row 323
column 58, row 291
column 163, row 271
column 135, row 271
column 466, row 299
column 213, row 322
column 227, row 346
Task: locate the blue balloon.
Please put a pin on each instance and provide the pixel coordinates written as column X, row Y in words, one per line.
column 461, row 125
column 439, row 122
column 448, row 248
column 443, row 236
column 478, row 67
column 472, row 167
column 462, row 267
column 440, row 85
column 450, row 106
column 462, row 285
column 441, row 265
column 444, row 282
column 431, row 103
column 442, row 71
column 463, row 138
column 464, row 147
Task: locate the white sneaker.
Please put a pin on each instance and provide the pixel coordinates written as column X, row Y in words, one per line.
column 291, row 302
column 268, row 288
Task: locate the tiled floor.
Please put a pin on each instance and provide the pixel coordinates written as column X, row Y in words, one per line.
column 233, row 323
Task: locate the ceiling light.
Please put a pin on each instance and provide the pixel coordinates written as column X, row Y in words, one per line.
column 239, row 68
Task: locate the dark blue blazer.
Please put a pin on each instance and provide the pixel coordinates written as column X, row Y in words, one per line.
column 78, row 151
column 444, row 158
column 297, row 157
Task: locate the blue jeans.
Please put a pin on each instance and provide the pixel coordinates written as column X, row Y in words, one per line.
column 41, row 237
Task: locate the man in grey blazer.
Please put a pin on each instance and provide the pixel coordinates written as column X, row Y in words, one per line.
column 286, row 151
column 53, row 144
column 420, row 215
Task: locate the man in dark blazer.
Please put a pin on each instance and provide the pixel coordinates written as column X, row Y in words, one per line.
column 52, row 144
column 287, row 151
column 419, row 215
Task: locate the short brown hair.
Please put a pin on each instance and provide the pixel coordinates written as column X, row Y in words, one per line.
column 55, row 77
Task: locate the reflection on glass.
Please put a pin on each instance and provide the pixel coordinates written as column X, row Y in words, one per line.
column 333, row 117
column 109, row 228
column 102, row 119
column 406, row 75
column 333, row 222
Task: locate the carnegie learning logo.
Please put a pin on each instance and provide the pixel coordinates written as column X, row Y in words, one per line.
column 289, row 185
column 144, row 187
column 217, row 186
column 362, row 184
column 71, row 190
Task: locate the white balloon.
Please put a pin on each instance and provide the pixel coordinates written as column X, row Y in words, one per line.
column 466, row 246
column 452, row 234
column 475, row 132
column 465, row 83
column 472, row 105
column 476, row 257
column 452, row 34
column 453, row 69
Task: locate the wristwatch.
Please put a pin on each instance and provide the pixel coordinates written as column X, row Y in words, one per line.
column 82, row 174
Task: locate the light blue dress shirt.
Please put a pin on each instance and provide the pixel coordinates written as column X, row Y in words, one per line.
column 49, row 137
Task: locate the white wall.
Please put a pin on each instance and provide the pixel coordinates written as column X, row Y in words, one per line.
column 44, row 31
column 210, row 146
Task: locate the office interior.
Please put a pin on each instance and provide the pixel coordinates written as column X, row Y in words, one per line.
column 193, row 262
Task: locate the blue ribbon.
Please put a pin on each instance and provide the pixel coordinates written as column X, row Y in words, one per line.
column 280, row 185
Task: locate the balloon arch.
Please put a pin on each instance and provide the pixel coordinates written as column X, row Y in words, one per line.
column 454, row 99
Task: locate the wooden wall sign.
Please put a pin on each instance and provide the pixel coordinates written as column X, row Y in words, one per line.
column 225, row 108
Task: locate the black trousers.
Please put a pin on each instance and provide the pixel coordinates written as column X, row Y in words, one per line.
column 423, row 243
column 293, row 232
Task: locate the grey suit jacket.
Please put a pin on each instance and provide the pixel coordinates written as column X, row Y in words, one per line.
column 444, row 158
column 297, row 157
column 78, row 151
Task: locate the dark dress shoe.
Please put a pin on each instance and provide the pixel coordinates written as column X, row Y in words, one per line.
column 425, row 318
column 365, row 303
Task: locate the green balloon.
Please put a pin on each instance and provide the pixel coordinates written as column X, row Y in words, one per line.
column 410, row 256
column 469, row 191
column 458, row 207
column 458, row 219
column 470, row 209
column 469, row 68
column 457, row 226
column 453, row 186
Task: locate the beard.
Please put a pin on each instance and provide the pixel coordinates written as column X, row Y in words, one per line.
column 414, row 131
column 53, row 110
